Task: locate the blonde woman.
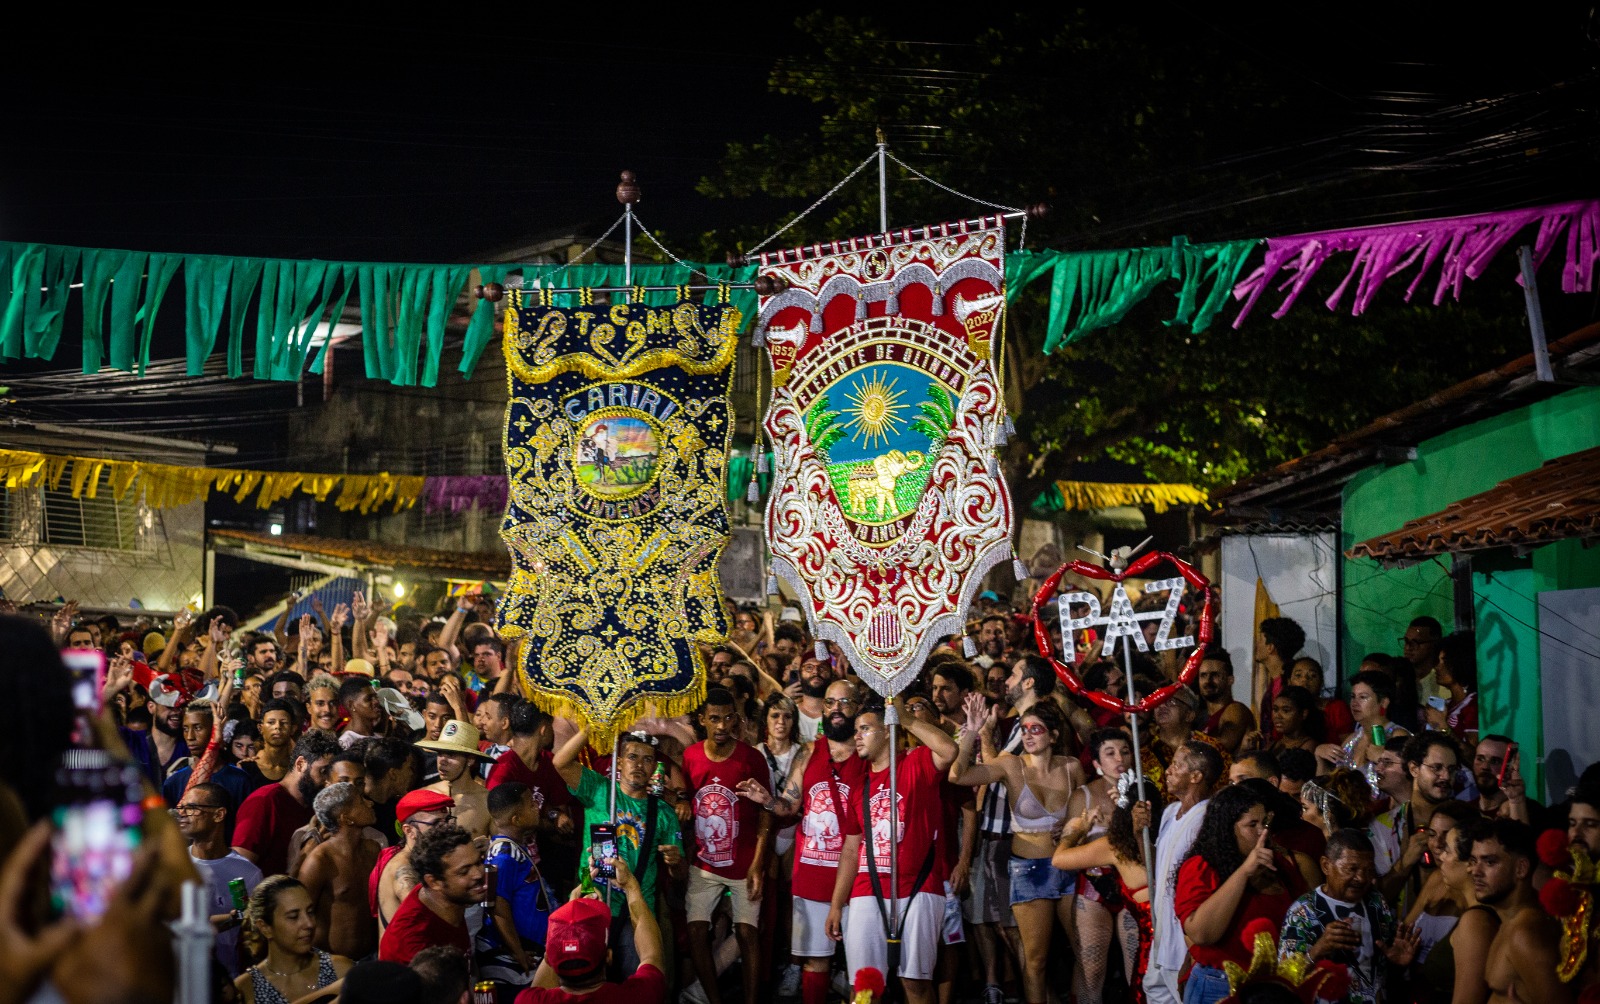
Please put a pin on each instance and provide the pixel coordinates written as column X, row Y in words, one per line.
column 280, row 928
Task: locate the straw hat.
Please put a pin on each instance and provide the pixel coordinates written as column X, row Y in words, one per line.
column 456, row 737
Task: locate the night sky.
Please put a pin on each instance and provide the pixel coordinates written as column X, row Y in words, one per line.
column 450, row 134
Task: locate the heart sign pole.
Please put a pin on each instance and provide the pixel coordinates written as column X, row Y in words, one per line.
column 1122, row 623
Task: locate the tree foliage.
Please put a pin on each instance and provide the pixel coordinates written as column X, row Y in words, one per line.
column 1135, row 131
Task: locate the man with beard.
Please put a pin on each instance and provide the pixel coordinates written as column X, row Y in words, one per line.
column 1583, row 820
column 158, row 750
column 1431, row 760
column 816, row 791
column 1187, row 783
column 322, row 705
column 493, row 719
column 269, row 817
column 336, row 872
column 1522, row 958
column 1226, row 720
column 261, row 655
column 391, row 772
column 727, row 860
column 452, row 876
column 952, row 682
column 457, row 755
column 364, row 708
column 1505, row 801
column 202, row 819
column 991, row 641
column 347, row 767
column 815, row 676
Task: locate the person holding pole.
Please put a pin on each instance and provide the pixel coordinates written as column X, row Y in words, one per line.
column 648, row 836
column 861, row 913
column 1039, row 786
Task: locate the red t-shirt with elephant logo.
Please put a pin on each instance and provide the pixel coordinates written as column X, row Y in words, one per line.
column 725, row 824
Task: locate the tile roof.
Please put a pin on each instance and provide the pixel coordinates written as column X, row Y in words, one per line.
column 372, row 552
column 1311, row 486
column 1558, row 501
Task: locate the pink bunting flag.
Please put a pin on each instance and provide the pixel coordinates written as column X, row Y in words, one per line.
column 1462, row 246
column 456, row 493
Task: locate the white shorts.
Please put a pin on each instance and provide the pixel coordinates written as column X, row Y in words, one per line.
column 866, row 942
column 704, row 891
column 808, row 936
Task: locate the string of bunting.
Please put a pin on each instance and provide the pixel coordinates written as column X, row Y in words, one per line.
column 165, row 486
column 287, row 308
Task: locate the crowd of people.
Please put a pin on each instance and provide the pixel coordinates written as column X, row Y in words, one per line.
column 375, row 812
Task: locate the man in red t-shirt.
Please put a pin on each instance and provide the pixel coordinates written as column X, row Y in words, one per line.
column 270, row 815
column 435, row 913
column 726, row 858
column 576, row 952
column 528, row 762
column 816, row 792
column 858, row 912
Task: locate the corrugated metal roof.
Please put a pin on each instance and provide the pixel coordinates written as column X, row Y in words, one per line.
column 1559, row 501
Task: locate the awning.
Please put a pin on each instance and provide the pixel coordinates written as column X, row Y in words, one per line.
column 371, row 554
column 1558, row 501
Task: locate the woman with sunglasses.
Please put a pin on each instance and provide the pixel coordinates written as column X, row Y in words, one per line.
column 1040, row 784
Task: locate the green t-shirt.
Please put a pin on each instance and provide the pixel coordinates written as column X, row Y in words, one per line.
column 594, row 793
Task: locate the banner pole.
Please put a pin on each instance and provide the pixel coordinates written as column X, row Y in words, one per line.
column 1133, row 726
column 628, row 193
column 883, row 183
column 891, row 717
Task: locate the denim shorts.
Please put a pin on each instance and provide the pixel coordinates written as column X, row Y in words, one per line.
column 1037, row 878
column 1205, row 985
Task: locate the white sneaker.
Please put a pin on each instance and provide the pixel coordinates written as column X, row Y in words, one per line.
column 789, row 982
column 694, row 993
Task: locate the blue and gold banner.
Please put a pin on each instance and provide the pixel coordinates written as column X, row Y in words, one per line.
column 616, row 449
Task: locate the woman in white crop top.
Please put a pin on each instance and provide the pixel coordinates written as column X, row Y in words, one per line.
column 1039, row 785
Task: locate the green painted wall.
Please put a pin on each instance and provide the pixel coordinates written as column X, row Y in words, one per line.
column 1377, row 604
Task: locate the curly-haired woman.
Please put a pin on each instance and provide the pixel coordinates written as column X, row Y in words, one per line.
column 1120, row 851
column 1232, row 876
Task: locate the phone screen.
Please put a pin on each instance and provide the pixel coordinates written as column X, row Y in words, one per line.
column 603, row 849
column 86, row 668
column 93, row 853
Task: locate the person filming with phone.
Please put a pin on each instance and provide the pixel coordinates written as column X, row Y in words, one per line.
column 577, row 947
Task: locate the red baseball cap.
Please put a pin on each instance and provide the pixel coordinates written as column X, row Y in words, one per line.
column 422, row 800
column 575, row 944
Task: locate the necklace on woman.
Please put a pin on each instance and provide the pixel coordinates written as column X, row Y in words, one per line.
column 293, row 972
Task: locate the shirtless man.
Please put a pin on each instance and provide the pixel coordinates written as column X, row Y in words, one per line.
column 458, row 759
column 336, row 872
column 417, row 813
column 1523, row 956
column 346, row 767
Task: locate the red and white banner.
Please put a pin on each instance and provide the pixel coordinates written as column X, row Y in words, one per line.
column 886, row 509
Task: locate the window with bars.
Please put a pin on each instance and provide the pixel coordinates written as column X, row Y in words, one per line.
column 103, row 522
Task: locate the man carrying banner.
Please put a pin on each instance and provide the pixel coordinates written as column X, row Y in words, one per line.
column 818, row 791
column 860, row 915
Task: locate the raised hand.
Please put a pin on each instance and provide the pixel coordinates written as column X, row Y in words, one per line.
column 977, row 711
column 755, row 791
column 305, row 633
column 1407, row 942
column 359, row 609
column 182, row 623
column 341, row 616
column 218, row 632
column 119, row 673
column 61, row 623
column 1259, row 859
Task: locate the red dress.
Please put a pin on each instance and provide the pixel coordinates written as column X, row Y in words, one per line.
column 1147, row 933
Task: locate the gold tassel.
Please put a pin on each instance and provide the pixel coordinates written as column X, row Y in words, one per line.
column 1087, row 495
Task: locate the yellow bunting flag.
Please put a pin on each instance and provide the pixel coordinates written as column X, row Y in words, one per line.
column 165, row 486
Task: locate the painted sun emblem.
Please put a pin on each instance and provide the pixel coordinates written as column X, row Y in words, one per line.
column 874, row 410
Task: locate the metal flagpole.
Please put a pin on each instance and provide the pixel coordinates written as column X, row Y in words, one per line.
column 616, row 746
column 1133, row 726
column 1118, row 560
column 883, row 187
column 891, row 718
column 627, row 194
